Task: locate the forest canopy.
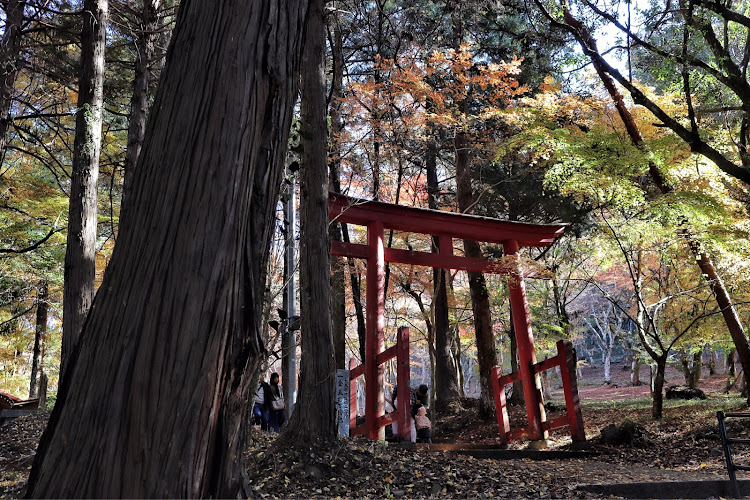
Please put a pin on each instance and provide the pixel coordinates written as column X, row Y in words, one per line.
column 155, row 161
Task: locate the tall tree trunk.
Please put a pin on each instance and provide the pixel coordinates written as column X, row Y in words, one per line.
column 658, row 388
column 731, row 370
column 147, row 35
column 687, row 374
column 561, row 310
column 635, row 371
column 697, row 369
column 608, row 366
column 315, row 414
column 446, row 378
column 456, row 351
column 155, row 401
column 10, row 51
column 729, row 312
column 80, row 252
column 355, row 278
column 288, row 336
column 40, row 337
column 338, row 264
column 480, row 300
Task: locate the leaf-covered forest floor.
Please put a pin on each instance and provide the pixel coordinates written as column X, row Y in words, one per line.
column 684, row 445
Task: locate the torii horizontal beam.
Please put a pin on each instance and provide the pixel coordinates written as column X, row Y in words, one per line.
column 442, row 260
column 436, row 222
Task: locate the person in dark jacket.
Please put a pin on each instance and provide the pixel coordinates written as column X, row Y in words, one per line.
column 417, row 398
column 261, row 405
column 276, row 404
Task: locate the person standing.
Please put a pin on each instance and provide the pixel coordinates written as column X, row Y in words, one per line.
column 417, row 398
column 262, row 405
column 277, row 406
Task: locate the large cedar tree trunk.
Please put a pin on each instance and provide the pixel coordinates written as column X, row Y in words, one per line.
column 314, row 414
column 147, row 36
column 155, row 403
column 80, row 252
column 40, row 337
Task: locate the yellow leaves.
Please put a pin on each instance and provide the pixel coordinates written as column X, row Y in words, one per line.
column 549, row 85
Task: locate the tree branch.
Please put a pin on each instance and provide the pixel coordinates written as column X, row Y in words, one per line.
column 32, row 247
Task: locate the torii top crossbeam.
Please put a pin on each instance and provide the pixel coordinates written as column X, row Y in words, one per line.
column 444, row 225
column 377, row 216
column 435, row 222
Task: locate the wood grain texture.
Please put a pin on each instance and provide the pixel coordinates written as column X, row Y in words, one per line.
column 156, row 400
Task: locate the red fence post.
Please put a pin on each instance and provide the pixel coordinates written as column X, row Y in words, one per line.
column 374, row 400
column 403, row 381
column 352, row 397
column 570, row 389
column 525, row 341
column 503, row 423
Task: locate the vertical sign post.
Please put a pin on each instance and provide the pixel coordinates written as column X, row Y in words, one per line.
column 342, row 402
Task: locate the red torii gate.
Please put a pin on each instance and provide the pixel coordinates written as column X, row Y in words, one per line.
column 378, row 216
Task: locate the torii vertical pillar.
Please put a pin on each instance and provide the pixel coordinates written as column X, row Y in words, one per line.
column 375, row 343
column 532, row 384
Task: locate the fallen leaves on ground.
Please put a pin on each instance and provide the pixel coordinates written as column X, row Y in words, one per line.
column 684, row 445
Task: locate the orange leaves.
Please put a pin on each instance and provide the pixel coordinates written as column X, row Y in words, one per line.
column 434, row 87
column 410, row 100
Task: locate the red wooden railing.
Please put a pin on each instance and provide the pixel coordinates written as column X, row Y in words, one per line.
column 400, row 351
column 566, row 360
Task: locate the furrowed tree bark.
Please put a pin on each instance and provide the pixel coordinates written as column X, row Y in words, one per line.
column 40, row 337
column 715, row 282
column 147, row 36
column 315, row 413
column 480, row 300
column 10, row 51
column 80, row 251
column 155, row 401
column 338, row 264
